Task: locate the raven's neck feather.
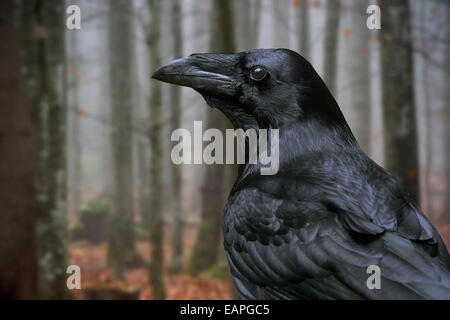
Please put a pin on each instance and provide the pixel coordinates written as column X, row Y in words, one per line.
column 302, row 140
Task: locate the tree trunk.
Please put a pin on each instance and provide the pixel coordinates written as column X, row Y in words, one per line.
column 205, row 251
column 247, row 21
column 358, row 66
column 121, row 248
column 427, row 202
column 156, row 224
column 18, row 268
column 44, row 41
column 446, row 216
column 331, row 43
column 398, row 99
column 176, row 263
column 280, row 23
column 303, row 28
column 74, row 150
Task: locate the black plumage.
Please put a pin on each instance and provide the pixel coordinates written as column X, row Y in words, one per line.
column 311, row 230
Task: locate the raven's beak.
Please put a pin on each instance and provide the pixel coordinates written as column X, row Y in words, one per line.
column 209, row 72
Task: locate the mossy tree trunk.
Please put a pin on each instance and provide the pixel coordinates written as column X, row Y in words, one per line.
column 44, row 40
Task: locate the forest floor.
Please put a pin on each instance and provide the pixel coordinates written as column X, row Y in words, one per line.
column 97, row 276
column 444, row 231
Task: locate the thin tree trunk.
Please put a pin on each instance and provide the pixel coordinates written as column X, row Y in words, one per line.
column 144, row 181
column 156, row 224
column 428, row 116
column 74, row 133
column 446, row 216
column 358, row 66
column 205, row 252
column 176, row 263
column 303, row 28
column 398, row 99
column 331, row 43
column 18, row 268
column 247, row 19
column 280, row 23
column 121, row 249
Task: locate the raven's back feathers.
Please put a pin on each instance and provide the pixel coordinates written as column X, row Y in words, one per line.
column 290, row 237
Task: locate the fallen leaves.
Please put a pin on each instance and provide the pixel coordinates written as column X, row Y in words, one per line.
column 98, row 281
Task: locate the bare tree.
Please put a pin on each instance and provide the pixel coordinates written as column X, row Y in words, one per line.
column 74, row 151
column 332, row 17
column 358, row 67
column 280, row 23
column 156, row 224
column 18, row 267
column 446, row 216
column 121, row 245
column 176, row 263
column 247, row 20
column 303, row 28
column 205, row 252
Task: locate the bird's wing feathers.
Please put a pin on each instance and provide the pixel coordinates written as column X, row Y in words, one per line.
column 290, row 249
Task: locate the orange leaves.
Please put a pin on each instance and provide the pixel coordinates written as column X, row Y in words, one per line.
column 364, row 52
column 412, row 173
column 309, row 4
column 347, row 32
column 313, row 4
column 316, row 4
column 387, row 37
column 373, row 38
column 99, row 281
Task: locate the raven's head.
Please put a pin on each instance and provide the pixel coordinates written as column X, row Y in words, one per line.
column 258, row 88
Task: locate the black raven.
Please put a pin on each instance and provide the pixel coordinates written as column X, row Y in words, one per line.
column 312, row 230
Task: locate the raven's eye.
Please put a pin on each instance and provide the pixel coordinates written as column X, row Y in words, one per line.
column 258, row 74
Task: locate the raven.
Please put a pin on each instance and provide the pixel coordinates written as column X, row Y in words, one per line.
column 317, row 228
